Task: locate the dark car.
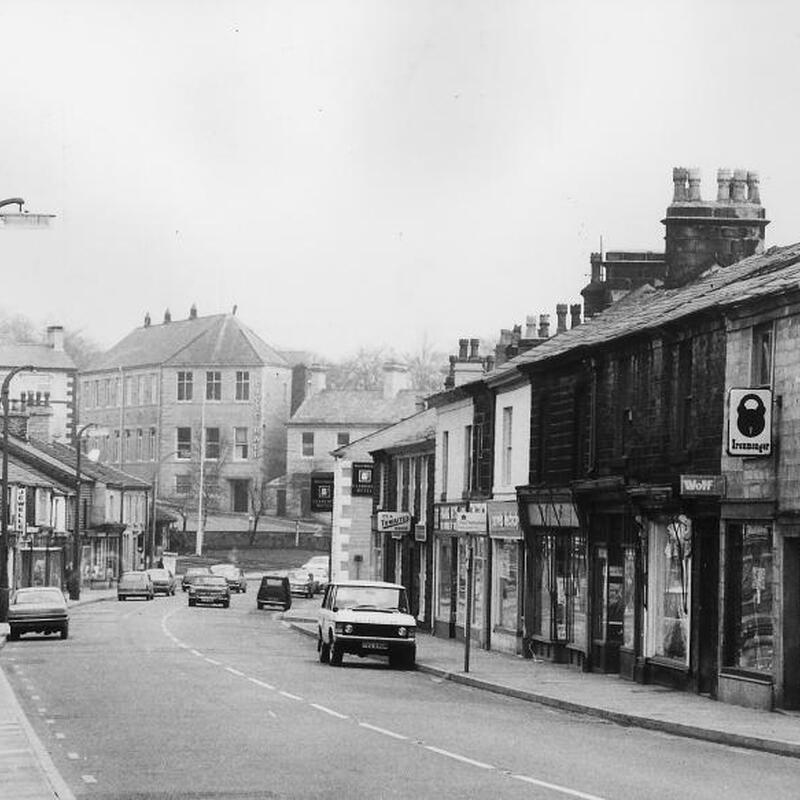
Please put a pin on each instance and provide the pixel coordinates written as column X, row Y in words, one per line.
column 191, row 573
column 274, row 591
column 38, row 609
column 135, row 584
column 211, row 589
column 233, row 574
column 163, row 581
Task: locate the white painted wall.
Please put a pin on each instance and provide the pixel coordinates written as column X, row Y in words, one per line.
column 519, row 400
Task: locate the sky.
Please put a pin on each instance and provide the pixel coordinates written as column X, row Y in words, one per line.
column 369, row 173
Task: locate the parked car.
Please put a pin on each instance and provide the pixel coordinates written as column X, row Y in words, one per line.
column 274, row 591
column 163, row 581
column 318, row 567
column 191, row 573
column 233, row 574
column 303, row 583
column 366, row 618
column 38, row 609
column 210, row 589
column 135, row 584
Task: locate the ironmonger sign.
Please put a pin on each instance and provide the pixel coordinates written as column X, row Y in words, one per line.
column 750, row 422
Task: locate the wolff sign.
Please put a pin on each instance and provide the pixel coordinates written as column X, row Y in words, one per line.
column 702, row 485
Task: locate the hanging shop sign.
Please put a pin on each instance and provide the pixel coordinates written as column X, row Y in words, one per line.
column 322, row 491
column 363, row 474
column 504, row 519
column 702, row 485
column 22, row 509
column 420, row 533
column 394, row 521
column 750, row 422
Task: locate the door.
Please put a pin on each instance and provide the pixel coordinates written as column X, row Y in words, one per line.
column 240, row 499
column 791, row 623
column 707, row 610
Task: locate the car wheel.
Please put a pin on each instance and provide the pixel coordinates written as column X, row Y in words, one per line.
column 13, row 635
column 65, row 630
column 191, row 602
column 260, row 606
column 336, row 655
column 120, row 597
column 324, row 651
column 226, row 604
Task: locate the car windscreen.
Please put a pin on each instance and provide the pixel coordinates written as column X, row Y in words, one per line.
column 225, row 569
column 209, row 580
column 53, row 597
column 158, row 574
column 273, row 581
column 371, row 597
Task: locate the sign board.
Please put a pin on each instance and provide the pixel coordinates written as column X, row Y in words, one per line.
column 547, row 514
column 750, row 422
column 504, row 519
column 21, row 520
column 702, row 485
column 361, row 484
column 322, row 491
column 420, row 533
column 472, row 518
column 391, row 521
column 445, row 517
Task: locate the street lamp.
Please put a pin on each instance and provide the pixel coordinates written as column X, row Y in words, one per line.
column 75, row 583
column 5, row 588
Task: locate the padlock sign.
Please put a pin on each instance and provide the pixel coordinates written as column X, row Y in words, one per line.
column 750, row 422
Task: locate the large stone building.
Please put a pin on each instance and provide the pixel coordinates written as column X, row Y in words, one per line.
column 167, row 391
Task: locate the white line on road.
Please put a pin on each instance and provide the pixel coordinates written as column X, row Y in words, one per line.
column 42, row 710
column 73, row 756
column 328, row 711
column 272, row 714
column 291, row 696
column 35, row 697
column 383, row 731
column 212, row 661
column 556, row 788
column 61, row 736
column 195, row 652
column 235, row 671
column 457, row 757
column 13, row 752
column 50, row 721
column 262, row 683
column 89, row 778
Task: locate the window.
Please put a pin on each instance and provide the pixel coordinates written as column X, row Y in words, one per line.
column 212, row 444
column 146, row 390
column 183, row 484
column 240, row 446
column 762, row 354
column 506, row 452
column 127, row 446
column 185, row 387
column 308, row 443
column 506, row 561
column 213, row 385
column 749, row 630
column 445, row 461
column 242, row 385
column 342, row 438
column 139, row 445
column 467, row 459
column 403, row 484
column 102, row 397
column 184, row 443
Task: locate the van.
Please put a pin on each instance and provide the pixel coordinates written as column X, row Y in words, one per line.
column 274, row 591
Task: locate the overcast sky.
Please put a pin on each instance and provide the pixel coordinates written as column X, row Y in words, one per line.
column 359, row 173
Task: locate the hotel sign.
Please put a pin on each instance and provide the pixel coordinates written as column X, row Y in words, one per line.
column 361, row 485
column 750, row 422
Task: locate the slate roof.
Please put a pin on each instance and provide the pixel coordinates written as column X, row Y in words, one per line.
column 648, row 308
column 216, row 340
column 355, row 407
column 39, row 355
column 415, row 429
column 28, row 476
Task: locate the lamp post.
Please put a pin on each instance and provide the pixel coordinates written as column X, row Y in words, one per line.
column 5, row 587
column 75, row 583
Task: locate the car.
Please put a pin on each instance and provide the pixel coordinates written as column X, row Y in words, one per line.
column 318, row 567
column 211, row 589
column 274, row 591
column 163, row 581
column 191, row 573
column 233, row 574
column 366, row 618
column 136, row 583
column 38, row 609
column 303, row 583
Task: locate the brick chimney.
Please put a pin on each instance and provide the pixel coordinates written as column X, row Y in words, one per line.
column 55, row 337
column 561, row 316
column 396, row 378
column 701, row 234
column 544, row 326
column 575, row 315
column 316, row 379
column 467, row 366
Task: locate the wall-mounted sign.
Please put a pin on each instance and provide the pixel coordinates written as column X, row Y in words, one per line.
column 361, row 485
column 322, row 491
column 22, row 509
column 504, row 519
column 750, row 422
column 547, row 514
column 702, row 485
column 471, row 518
column 420, row 533
column 390, row 521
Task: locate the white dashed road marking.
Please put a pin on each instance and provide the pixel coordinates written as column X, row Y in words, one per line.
column 262, row 683
column 457, row 757
column 235, row 671
column 383, row 731
column 212, row 661
column 89, row 778
column 556, row 788
column 329, row 711
column 73, row 756
column 291, row 696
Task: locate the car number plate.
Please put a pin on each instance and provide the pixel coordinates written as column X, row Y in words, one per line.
column 374, row 646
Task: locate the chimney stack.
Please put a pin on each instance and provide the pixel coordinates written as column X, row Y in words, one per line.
column 544, row 326
column 739, row 186
column 463, row 344
column 753, row 194
column 679, row 177
column 193, row 311
column 575, row 315
column 724, row 177
column 694, row 185
column 474, row 348
column 55, row 337
column 167, row 317
column 530, row 326
column 147, row 319
column 396, row 379
column 561, row 314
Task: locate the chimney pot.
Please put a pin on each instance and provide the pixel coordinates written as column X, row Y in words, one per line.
column 679, row 177
column 724, row 177
column 463, row 344
column 147, row 319
column 739, row 186
column 561, row 314
column 575, row 315
column 530, row 326
column 396, row 379
column 474, row 347
column 544, row 326
column 193, row 311
column 694, row 185
column 167, row 316
column 753, row 193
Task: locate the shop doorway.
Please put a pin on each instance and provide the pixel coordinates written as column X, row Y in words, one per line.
column 707, row 612
column 791, row 623
column 608, row 606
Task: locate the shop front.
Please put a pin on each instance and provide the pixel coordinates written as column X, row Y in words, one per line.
column 506, row 542
column 40, row 558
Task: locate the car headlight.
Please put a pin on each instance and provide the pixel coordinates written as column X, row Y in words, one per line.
column 405, row 633
column 348, row 628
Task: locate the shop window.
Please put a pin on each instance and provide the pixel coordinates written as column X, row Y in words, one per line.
column 506, row 561
column 669, row 602
column 749, row 626
column 762, row 354
column 185, row 386
column 443, row 578
column 543, row 568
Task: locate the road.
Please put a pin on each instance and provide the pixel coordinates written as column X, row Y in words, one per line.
column 158, row 700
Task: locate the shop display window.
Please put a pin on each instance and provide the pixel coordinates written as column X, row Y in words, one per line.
column 542, row 585
column 443, row 562
column 749, row 623
column 506, row 563
column 629, row 597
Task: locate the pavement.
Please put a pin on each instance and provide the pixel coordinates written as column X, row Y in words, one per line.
column 28, row 773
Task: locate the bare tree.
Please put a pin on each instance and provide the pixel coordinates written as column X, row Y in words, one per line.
column 427, row 367
column 360, row 371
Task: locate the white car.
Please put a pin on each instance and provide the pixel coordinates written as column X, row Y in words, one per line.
column 318, row 567
column 366, row 618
